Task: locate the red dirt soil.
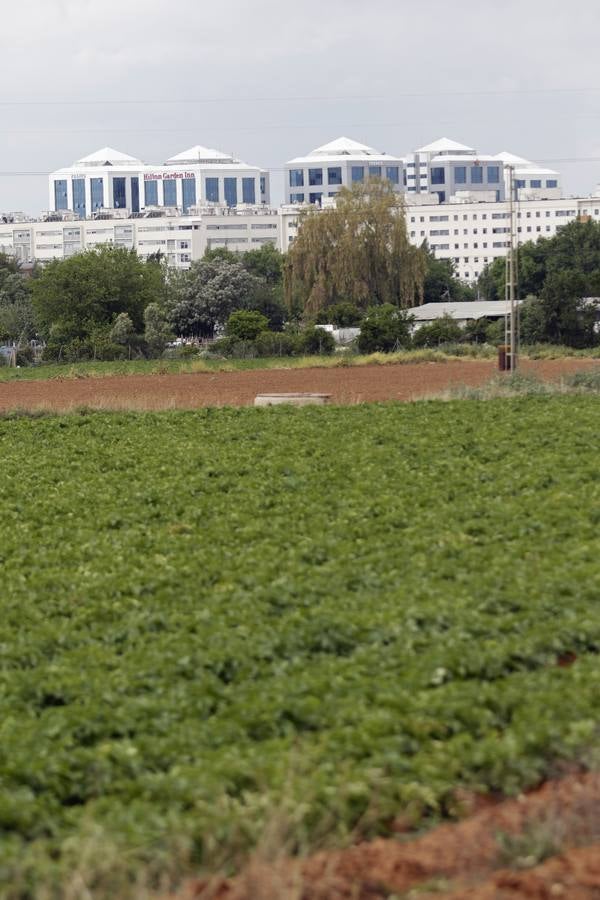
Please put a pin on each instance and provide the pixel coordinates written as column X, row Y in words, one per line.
column 352, row 384
column 470, row 860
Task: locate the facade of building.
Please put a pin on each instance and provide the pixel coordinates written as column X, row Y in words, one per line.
column 471, row 233
column 201, row 199
column 324, row 171
column 109, row 179
column 179, row 238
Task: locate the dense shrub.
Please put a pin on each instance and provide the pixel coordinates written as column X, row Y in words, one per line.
column 276, row 343
column 313, row 341
column 384, row 328
column 441, row 331
column 246, row 325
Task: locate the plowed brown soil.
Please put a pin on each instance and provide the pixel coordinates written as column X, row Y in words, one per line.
column 496, row 853
column 352, row 384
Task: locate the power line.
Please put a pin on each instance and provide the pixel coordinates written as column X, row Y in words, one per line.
column 278, row 170
column 149, row 101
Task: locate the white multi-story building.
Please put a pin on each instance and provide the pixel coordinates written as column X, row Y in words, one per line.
column 201, row 199
column 471, row 233
column 109, row 179
column 179, row 238
column 530, row 181
column 324, row 171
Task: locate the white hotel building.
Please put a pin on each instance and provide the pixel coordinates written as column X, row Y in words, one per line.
column 151, row 210
column 109, row 179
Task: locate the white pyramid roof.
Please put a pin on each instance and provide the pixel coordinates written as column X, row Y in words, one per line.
column 344, row 146
column 200, row 154
column 108, row 155
column 512, row 159
column 445, row 145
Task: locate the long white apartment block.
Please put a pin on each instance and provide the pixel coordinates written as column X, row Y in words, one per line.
column 471, row 233
column 179, row 238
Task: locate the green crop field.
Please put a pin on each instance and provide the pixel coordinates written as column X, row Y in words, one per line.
column 213, row 620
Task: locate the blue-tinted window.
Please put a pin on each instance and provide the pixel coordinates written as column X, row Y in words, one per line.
column 151, row 193
column 392, row 173
column 334, row 175
column 170, row 193
column 263, row 185
column 231, row 191
column 315, row 177
column 248, row 190
column 460, row 175
column 119, row 193
column 358, row 173
column 188, row 193
column 297, row 198
column 552, row 183
column 316, row 198
column 296, row 178
column 97, row 193
column 60, row 195
column 536, row 183
column 493, row 174
column 438, row 175
column 442, row 196
column 212, row 190
column 135, row 195
column 520, row 183
column 79, row 197
column 476, row 175
column 374, row 171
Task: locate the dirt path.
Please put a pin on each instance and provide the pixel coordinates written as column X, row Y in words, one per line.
column 497, row 853
column 346, row 385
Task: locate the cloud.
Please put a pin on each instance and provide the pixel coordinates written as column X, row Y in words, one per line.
column 480, row 72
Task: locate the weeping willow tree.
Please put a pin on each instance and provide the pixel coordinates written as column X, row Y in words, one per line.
column 358, row 251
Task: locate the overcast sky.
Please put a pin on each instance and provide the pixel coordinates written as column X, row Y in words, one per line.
column 272, row 79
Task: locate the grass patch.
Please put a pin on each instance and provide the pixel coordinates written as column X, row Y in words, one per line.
column 328, row 615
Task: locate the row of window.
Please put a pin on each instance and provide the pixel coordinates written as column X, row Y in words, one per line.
column 315, row 177
column 560, row 213
column 119, row 193
column 438, row 174
column 536, row 183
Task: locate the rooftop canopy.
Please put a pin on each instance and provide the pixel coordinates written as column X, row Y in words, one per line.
column 107, row 156
column 445, row 145
column 344, row 148
column 200, row 154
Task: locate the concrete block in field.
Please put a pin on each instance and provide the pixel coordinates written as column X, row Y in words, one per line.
column 299, row 399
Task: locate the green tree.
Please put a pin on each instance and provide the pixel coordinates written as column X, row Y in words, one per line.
column 385, row 328
column 265, row 263
column 17, row 321
column 207, row 295
column 441, row 281
column 444, row 330
column 122, row 330
column 560, row 315
column 342, row 315
column 157, row 331
column 316, row 341
column 358, row 251
column 72, row 297
column 246, row 325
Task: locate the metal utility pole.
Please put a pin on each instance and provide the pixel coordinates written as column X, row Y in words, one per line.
column 512, row 319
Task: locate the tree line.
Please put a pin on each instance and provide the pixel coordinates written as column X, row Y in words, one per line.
column 559, row 277
column 349, row 265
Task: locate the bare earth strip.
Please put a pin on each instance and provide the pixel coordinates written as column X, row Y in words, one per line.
column 352, row 384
